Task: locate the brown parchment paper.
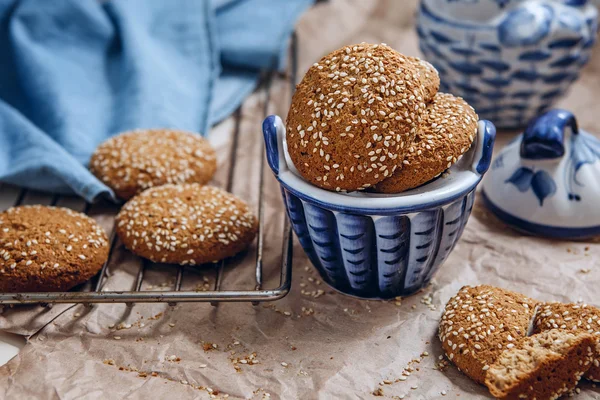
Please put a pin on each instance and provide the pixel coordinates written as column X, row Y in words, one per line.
column 313, row 344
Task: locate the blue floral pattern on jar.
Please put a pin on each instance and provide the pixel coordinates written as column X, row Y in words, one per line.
column 585, row 149
column 512, row 59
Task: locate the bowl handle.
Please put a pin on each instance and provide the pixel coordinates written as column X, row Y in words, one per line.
column 486, row 136
column 271, row 130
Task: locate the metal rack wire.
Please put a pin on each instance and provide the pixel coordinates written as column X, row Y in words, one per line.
column 93, row 292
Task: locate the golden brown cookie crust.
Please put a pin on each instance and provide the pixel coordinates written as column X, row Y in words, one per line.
column 353, row 116
column 48, row 249
column 134, row 161
column 574, row 318
column 186, row 224
column 430, row 79
column 479, row 323
column 541, row 367
column 447, row 132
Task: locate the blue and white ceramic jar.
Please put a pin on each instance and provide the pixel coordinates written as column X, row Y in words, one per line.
column 547, row 181
column 510, row 59
column 373, row 245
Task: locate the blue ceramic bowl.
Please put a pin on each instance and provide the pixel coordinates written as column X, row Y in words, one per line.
column 379, row 246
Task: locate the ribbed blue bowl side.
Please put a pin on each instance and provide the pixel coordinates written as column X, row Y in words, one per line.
column 393, row 237
column 378, row 256
column 424, row 241
column 356, row 237
column 455, row 218
column 324, row 235
column 470, row 200
column 295, row 212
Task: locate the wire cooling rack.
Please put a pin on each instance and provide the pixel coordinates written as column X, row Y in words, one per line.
column 93, row 292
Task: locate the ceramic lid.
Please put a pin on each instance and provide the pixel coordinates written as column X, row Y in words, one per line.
column 547, row 180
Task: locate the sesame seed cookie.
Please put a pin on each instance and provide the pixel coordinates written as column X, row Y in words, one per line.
column 44, row 249
column 447, row 132
column 542, row 367
column 574, row 318
column 479, row 323
column 134, row 161
column 353, row 117
column 187, row 224
column 430, row 79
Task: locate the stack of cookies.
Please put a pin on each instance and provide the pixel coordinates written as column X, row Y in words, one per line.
column 484, row 332
column 368, row 117
column 170, row 215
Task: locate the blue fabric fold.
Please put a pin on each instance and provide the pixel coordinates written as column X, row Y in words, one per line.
column 75, row 72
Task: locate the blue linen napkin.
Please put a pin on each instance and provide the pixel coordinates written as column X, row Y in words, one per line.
column 75, row 72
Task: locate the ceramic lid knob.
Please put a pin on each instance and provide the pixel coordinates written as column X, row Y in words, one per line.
column 544, row 137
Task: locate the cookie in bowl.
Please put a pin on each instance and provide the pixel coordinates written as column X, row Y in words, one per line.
column 134, row 161
column 353, row 117
column 48, row 249
column 447, row 132
column 430, row 79
column 187, row 224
